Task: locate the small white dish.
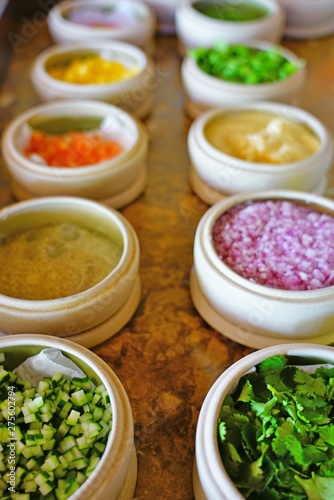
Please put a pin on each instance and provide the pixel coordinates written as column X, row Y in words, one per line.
column 248, row 312
column 79, row 20
column 134, row 94
column 116, row 475
column 195, row 29
column 203, row 91
column 215, row 173
column 308, row 20
column 117, row 181
column 94, row 314
column 165, row 12
column 210, row 479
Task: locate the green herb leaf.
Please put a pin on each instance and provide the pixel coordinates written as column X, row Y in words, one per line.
column 318, row 488
column 276, row 433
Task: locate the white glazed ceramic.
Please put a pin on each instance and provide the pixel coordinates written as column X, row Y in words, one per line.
column 140, row 33
column 214, row 174
column 195, row 29
column 307, row 19
column 210, row 478
column 165, row 12
column 115, row 476
column 96, row 314
column 134, row 94
column 203, row 91
column 249, row 313
column 117, row 181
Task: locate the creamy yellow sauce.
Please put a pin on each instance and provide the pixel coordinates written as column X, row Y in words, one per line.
column 54, row 261
column 261, row 137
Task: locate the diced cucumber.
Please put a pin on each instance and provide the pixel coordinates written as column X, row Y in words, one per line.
column 84, row 383
column 4, row 376
column 66, row 444
column 61, row 429
column 73, row 418
column 3, row 484
column 30, row 486
column 79, row 398
column 51, row 463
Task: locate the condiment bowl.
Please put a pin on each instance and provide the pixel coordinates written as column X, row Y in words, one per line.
column 273, row 299
column 195, row 28
column 115, row 475
column 215, row 173
column 117, row 180
column 66, row 304
column 165, row 12
column 203, row 91
column 307, row 20
column 133, row 94
column 210, row 478
column 78, row 20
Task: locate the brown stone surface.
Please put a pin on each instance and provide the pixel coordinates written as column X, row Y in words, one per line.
column 167, row 357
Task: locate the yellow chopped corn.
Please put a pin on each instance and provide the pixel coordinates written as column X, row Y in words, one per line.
column 92, row 70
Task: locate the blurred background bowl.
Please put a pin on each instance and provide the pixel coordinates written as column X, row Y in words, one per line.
column 165, row 12
column 307, row 20
column 81, row 20
column 196, row 29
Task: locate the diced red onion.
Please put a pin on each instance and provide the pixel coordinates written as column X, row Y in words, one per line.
column 279, row 244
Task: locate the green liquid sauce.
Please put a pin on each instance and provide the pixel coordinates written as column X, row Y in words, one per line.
column 227, row 11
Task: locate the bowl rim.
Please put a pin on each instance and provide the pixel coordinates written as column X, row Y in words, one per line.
column 203, row 237
column 206, row 444
column 60, row 204
column 293, row 113
column 64, row 108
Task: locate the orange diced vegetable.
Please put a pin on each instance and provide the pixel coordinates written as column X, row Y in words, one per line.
column 74, row 149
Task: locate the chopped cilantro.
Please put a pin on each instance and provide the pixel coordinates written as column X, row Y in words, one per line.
column 276, row 432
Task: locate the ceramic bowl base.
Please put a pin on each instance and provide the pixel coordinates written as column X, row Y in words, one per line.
column 238, row 334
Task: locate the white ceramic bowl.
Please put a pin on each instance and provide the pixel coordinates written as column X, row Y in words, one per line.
column 250, row 313
column 115, row 476
column 165, row 12
column 134, row 94
column 210, row 478
column 137, row 22
column 94, row 314
column 195, row 29
column 117, row 181
column 307, row 19
column 215, row 174
column 203, row 91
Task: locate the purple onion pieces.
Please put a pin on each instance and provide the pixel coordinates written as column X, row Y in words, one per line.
column 279, row 244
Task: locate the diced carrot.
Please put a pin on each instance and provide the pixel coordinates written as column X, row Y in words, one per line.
column 74, row 149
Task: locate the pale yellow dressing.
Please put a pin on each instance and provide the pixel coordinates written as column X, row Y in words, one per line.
column 261, row 137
